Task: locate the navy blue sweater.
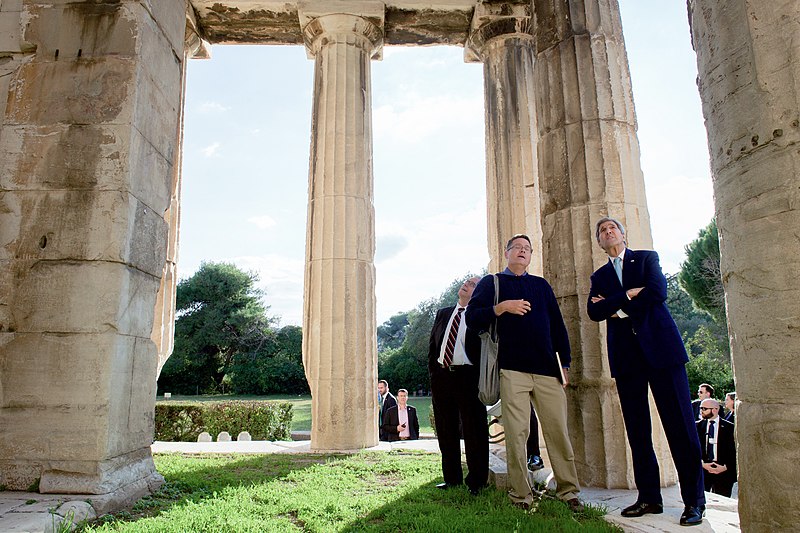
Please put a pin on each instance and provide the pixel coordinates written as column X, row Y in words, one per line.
column 529, row 342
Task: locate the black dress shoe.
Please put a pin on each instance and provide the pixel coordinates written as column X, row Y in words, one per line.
column 692, row 516
column 640, row 509
column 445, row 486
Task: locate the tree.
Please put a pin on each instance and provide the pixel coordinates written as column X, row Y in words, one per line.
column 700, row 273
column 219, row 314
column 392, row 333
column 687, row 316
column 407, row 366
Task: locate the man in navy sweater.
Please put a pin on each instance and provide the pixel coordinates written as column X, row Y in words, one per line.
column 532, row 336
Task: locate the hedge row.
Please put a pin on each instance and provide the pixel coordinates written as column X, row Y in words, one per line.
column 184, row 421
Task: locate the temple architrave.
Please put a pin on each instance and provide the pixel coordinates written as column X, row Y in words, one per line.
column 90, row 157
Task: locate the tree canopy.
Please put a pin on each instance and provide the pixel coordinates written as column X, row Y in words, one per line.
column 219, row 314
column 700, row 273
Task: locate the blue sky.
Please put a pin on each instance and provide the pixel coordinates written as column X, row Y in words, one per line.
column 246, row 149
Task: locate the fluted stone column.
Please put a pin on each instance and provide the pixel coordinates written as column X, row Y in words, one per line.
column 339, row 339
column 87, row 154
column 501, row 38
column 589, row 167
column 748, row 60
column 163, row 333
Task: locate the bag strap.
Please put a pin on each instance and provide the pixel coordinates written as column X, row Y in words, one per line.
column 493, row 327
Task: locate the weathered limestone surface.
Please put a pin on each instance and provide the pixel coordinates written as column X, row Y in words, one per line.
column 88, row 147
column 502, row 40
column 405, row 22
column 588, row 158
column 748, row 57
column 339, row 343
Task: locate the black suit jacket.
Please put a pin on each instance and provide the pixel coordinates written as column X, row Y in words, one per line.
column 649, row 326
column 388, row 403
column 392, row 419
column 472, row 342
column 726, row 445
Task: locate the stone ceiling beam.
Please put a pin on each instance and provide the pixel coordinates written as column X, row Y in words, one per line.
column 408, row 22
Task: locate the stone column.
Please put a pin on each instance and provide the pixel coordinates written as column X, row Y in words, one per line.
column 501, row 38
column 749, row 79
column 339, row 339
column 589, row 167
column 163, row 333
column 87, row 151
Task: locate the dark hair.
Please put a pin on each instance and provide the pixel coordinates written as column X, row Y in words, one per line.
column 518, row 236
column 709, row 388
column 603, row 221
column 731, row 395
column 384, row 382
column 402, row 390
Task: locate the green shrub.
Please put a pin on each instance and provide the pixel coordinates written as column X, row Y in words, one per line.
column 183, row 422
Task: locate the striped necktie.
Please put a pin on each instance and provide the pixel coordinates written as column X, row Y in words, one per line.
column 451, row 339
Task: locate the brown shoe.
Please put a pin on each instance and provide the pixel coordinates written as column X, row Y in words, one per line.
column 575, row 505
column 521, row 505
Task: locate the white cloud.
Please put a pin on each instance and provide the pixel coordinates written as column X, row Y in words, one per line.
column 419, row 118
column 212, row 107
column 388, row 246
column 281, row 277
column 263, row 221
column 211, row 149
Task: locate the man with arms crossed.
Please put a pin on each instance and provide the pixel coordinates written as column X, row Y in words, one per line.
column 645, row 349
column 453, row 363
column 531, row 331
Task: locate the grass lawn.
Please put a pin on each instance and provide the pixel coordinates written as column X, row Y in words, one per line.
column 301, row 407
column 365, row 492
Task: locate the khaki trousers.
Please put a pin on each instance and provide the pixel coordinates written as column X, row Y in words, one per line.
column 518, row 390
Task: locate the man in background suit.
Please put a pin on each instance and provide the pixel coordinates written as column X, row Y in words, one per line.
column 719, row 449
column 703, row 391
column 645, row 349
column 401, row 422
column 453, row 364
column 385, row 400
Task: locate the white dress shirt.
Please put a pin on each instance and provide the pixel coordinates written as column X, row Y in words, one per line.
column 459, row 351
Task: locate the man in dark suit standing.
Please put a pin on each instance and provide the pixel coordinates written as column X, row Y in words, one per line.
column 719, row 449
column 453, row 364
column 401, row 422
column 645, row 349
column 703, row 391
column 385, row 400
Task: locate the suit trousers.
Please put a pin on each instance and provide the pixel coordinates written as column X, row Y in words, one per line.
column 455, row 397
column 518, row 390
column 670, row 388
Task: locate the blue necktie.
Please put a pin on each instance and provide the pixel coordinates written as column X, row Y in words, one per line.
column 618, row 268
column 709, row 441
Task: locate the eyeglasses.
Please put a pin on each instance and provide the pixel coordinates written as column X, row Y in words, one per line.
column 708, row 408
column 518, row 247
column 470, row 283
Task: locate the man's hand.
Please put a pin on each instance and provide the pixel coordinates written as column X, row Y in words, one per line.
column 515, row 307
column 401, row 427
column 566, row 377
column 633, row 293
column 714, row 468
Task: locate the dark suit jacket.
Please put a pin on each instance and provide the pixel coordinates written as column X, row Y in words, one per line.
column 726, row 445
column 650, row 326
column 392, row 419
column 388, row 403
column 472, row 342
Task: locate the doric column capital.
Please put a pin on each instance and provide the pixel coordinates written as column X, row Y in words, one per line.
column 194, row 45
column 325, row 22
column 493, row 21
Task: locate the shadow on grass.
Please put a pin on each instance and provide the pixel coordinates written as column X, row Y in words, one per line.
column 429, row 509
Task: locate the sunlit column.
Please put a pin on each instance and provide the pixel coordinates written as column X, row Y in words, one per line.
column 501, row 38
column 588, row 156
column 339, row 328
column 749, row 70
